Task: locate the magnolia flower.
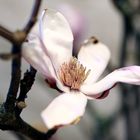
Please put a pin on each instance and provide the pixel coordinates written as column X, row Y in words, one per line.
column 49, row 50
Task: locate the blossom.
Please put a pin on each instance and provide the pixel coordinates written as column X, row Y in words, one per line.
column 49, row 50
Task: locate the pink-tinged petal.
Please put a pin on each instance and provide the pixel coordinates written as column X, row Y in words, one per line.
column 34, row 55
column 74, row 17
column 56, row 35
column 129, row 75
column 105, row 93
column 95, row 56
column 77, row 22
column 64, row 110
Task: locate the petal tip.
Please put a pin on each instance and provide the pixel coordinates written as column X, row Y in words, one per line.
column 50, row 126
column 64, row 110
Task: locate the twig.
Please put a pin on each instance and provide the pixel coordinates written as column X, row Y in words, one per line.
column 11, row 122
column 27, row 130
column 33, row 17
column 15, row 79
column 6, row 34
column 18, row 37
column 8, row 56
column 9, row 114
column 25, row 85
column 15, row 38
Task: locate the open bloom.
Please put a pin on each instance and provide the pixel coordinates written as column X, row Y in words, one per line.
column 49, row 50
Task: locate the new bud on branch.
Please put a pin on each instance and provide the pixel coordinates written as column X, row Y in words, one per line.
column 49, row 50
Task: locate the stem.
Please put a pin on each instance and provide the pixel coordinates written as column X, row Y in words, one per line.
column 33, row 17
column 19, row 36
column 23, row 128
column 6, row 34
column 25, row 85
column 15, row 79
column 9, row 114
column 9, row 121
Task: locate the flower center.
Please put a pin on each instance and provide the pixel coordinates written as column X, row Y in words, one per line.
column 73, row 74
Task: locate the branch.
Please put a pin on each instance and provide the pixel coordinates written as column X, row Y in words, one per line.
column 25, row 85
column 18, row 37
column 33, row 17
column 7, row 56
column 9, row 121
column 9, row 113
column 15, row 79
column 6, row 34
column 31, row 132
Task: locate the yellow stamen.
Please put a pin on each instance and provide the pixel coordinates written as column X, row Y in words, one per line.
column 73, row 74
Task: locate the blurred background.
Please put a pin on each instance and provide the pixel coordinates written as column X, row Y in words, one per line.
column 117, row 24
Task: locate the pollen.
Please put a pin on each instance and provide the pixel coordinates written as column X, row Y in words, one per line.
column 72, row 74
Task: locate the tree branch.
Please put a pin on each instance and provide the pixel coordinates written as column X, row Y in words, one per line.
column 9, row 113
column 18, row 37
column 25, row 85
column 33, row 17
column 9, row 121
column 6, row 34
column 15, row 79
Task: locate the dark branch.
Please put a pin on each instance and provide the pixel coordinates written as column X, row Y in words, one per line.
column 7, row 56
column 33, row 17
column 9, row 121
column 9, row 112
column 18, row 37
column 25, row 85
column 23, row 128
column 6, row 34
column 15, row 79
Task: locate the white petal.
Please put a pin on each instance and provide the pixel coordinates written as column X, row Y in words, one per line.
column 57, row 37
column 34, row 54
column 130, row 75
column 62, row 87
column 95, row 56
column 64, row 110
